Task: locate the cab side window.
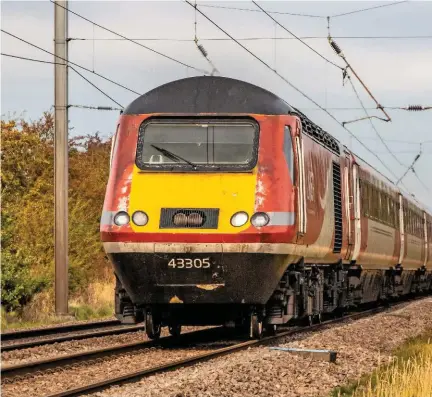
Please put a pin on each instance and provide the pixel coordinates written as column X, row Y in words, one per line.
column 113, row 144
column 289, row 152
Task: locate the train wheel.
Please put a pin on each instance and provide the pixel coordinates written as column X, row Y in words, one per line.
column 256, row 327
column 153, row 328
column 174, row 330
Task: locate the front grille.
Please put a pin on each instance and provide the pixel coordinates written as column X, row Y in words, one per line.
column 189, row 218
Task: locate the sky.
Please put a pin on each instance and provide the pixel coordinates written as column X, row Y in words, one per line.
column 397, row 70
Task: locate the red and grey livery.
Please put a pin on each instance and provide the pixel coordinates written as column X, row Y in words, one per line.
column 227, row 206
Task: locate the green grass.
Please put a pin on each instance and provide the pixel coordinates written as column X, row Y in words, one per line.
column 81, row 312
column 94, row 303
column 86, row 312
column 13, row 320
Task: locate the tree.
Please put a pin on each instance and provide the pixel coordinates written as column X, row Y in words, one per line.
column 27, row 211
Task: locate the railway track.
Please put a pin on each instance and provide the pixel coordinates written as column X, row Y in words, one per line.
column 230, row 344
column 43, row 336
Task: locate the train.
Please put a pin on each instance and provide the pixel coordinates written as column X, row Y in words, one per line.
column 227, row 206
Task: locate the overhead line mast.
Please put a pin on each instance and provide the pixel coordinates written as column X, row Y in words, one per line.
column 61, row 159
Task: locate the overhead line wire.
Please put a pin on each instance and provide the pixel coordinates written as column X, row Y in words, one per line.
column 294, row 87
column 251, row 38
column 95, row 86
column 372, row 124
column 70, row 62
column 339, row 52
column 58, row 63
column 273, row 12
column 301, row 14
column 410, row 167
column 421, row 182
column 369, row 8
column 128, row 39
column 295, row 36
column 31, row 59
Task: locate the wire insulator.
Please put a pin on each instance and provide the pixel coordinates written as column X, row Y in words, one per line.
column 335, row 47
column 203, row 50
column 415, row 108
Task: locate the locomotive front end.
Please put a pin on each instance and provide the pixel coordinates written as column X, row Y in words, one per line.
column 199, row 209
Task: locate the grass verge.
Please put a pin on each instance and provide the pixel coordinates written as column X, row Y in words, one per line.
column 96, row 302
column 410, row 375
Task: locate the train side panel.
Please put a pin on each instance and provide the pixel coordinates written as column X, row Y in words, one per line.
column 380, row 231
column 414, row 236
column 429, row 241
column 319, row 198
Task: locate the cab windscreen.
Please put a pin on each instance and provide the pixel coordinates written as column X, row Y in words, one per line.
column 207, row 145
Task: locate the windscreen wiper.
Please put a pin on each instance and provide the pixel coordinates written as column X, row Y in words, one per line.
column 173, row 156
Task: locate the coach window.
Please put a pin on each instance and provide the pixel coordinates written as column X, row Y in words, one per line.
column 405, row 218
column 375, row 203
column 289, row 152
column 391, row 211
column 364, row 189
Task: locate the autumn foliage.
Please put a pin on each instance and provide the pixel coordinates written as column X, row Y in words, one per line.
column 27, row 212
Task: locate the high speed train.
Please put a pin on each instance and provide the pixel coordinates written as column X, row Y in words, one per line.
column 225, row 205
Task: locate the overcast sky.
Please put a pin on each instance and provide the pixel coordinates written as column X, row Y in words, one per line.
column 398, row 71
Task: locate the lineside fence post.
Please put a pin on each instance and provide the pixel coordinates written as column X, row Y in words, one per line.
column 61, row 157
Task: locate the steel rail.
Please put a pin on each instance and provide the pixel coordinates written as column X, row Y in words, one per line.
column 121, row 329
column 28, row 368
column 136, row 375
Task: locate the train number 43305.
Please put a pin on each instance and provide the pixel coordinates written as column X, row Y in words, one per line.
column 189, row 263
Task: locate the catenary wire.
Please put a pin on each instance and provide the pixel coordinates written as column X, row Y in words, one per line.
column 383, row 141
column 95, row 86
column 31, row 59
column 273, row 12
column 295, row 36
column 295, row 88
column 339, row 53
column 372, row 124
column 249, row 38
column 58, row 63
column 421, row 182
column 369, row 8
column 70, row 62
column 301, row 14
column 131, row 40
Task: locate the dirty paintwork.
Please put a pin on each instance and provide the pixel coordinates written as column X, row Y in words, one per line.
column 247, row 262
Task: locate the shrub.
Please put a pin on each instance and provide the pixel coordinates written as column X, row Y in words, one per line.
column 27, row 212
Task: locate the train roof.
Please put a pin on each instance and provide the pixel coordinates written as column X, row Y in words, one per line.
column 216, row 94
column 209, row 94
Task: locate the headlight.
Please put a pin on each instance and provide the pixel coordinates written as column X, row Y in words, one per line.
column 239, row 219
column 140, row 218
column 121, row 218
column 260, row 219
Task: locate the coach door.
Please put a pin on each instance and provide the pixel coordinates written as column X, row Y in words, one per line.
column 301, row 196
column 355, row 213
column 349, row 203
